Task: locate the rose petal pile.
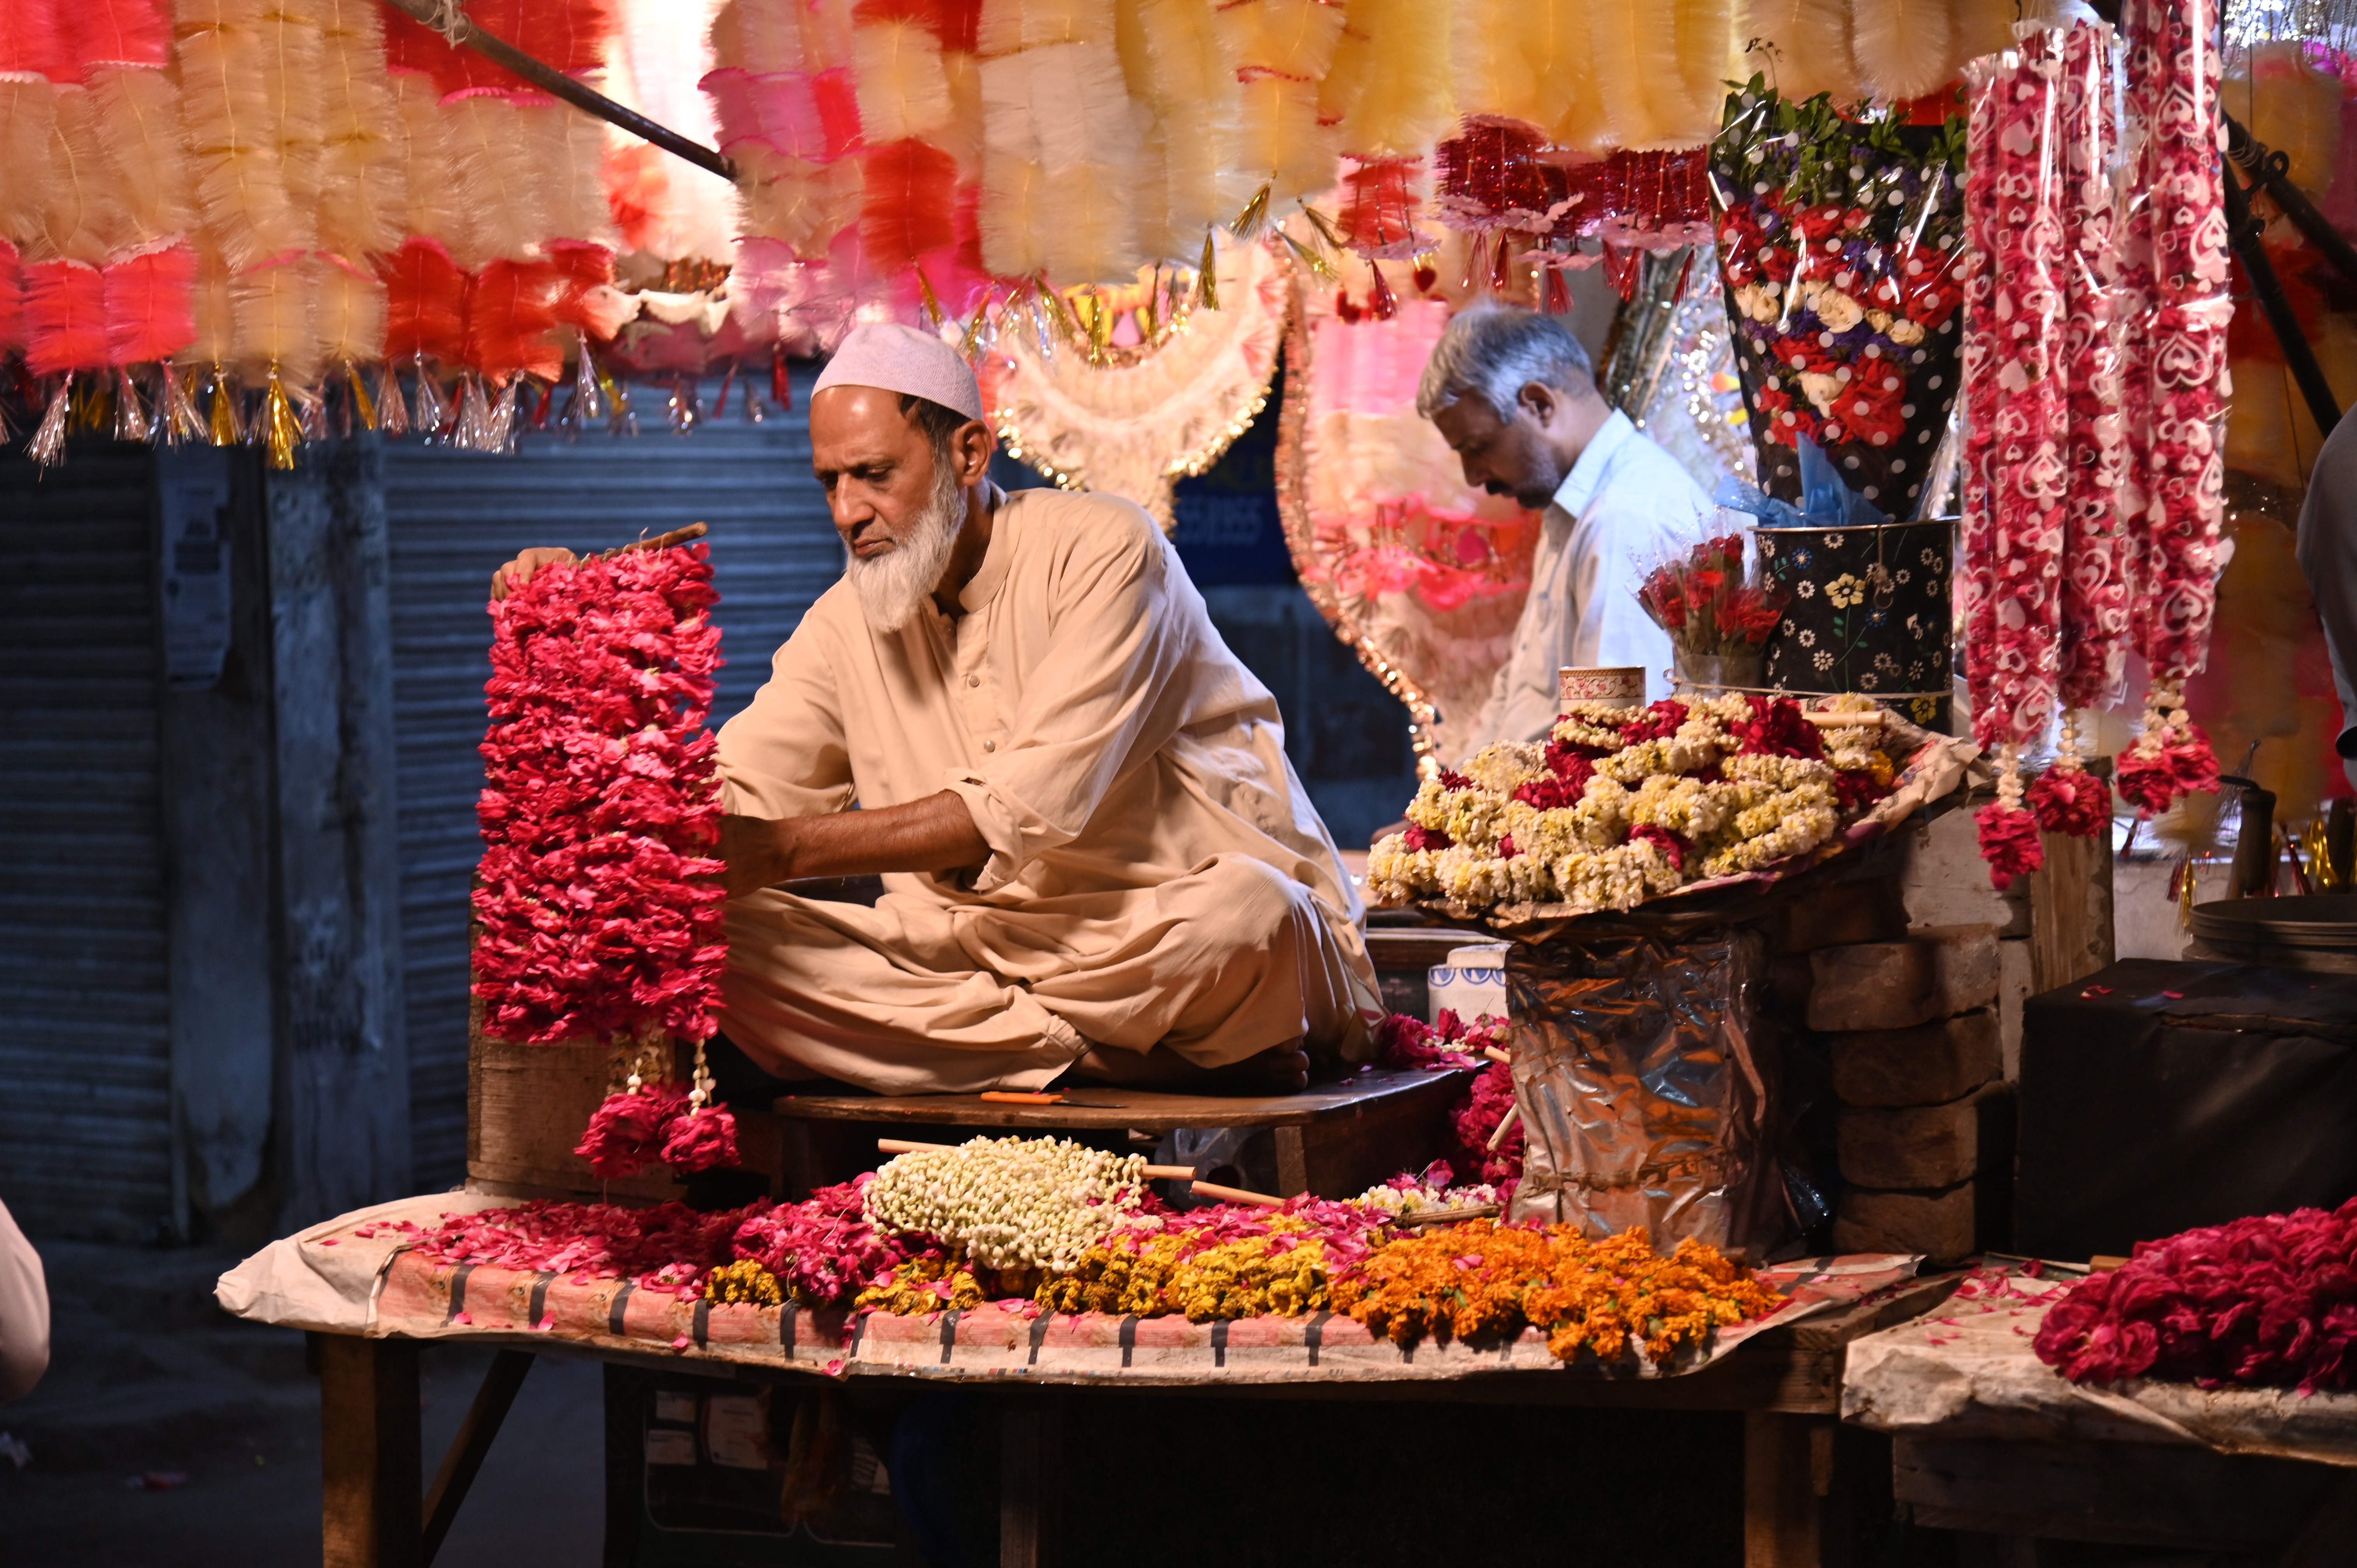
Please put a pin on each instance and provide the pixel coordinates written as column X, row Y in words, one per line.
column 2268, row 1301
column 598, row 900
column 667, row 1247
column 1627, row 803
column 826, row 1248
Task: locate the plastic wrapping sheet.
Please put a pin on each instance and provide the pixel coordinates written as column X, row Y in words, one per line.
column 1644, row 1076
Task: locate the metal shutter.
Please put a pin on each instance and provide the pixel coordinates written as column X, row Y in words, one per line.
column 85, row 1037
column 454, row 516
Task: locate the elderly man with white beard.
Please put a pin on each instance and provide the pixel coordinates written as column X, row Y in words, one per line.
column 1097, row 859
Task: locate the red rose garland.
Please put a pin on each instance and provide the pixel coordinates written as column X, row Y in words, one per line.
column 597, row 899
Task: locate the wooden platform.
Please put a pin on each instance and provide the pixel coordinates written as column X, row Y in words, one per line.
column 1335, row 1140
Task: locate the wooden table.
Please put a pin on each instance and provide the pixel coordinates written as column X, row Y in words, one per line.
column 1336, row 1140
column 1786, row 1382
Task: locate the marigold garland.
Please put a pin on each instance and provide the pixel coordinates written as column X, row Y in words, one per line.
column 1481, row 1279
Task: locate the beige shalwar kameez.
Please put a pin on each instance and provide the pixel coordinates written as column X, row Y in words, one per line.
column 1157, row 873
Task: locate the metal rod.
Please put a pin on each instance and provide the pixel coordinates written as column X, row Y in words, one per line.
column 468, row 34
column 2243, row 233
column 2273, row 170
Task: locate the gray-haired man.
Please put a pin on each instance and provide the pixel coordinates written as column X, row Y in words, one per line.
column 1512, row 393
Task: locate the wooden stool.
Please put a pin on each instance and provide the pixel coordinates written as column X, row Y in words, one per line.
column 1334, row 1140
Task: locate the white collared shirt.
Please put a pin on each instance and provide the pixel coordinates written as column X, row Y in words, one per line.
column 1624, row 505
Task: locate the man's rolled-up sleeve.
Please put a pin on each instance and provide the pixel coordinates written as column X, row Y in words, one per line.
column 1109, row 693
column 784, row 756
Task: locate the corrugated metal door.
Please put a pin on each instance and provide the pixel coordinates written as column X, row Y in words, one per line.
column 453, row 517
column 85, row 1015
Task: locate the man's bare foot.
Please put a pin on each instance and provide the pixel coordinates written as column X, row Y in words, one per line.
column 1280, row 1070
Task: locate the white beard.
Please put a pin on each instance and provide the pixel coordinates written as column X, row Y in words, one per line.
column 891, row 585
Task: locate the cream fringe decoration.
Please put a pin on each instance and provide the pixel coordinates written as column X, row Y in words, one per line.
column 1810, row 41
column 1499, row 52
column 139, row 126
column 363, row 177
column 294, row 77
column 1007, row 26
column 1014, row 214
column 349, row 313
column 805, row 205
column 574, row 145
column 1282, row 143
column 227, row 123
column 1978, row 28
column 431, row 203
column 1293, row 38
column 215, row 342
column 86, row 218
column 1179, row 67
column 1390, row 87
column 1901, row 47
column 502, row 185
column 273, row 319
column 763, row 37
column 960, row 134
column 903, row 91
column 28, row 118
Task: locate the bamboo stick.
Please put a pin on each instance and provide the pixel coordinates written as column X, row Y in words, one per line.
column 1235, row 1195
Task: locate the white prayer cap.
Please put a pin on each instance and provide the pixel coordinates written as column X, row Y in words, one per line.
column 901, row 359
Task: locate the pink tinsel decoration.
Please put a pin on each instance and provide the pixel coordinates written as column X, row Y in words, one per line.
column 151, row 305
column 626, row 1134
column 2070, row 800
column 65, row 318
column 2008, row 842
column 701, row 1139
column 599, row 899
column 2270, row 1300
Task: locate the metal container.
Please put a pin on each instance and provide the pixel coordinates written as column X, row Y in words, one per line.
column 1869, row 613
column 2318, row 931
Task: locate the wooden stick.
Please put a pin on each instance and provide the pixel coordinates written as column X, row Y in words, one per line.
column 1452, row 1216
column 1495, row 1055
column 1235, row 1195
column 903, row 1147
column 1871, row 719
column 660, row 542
column 1505, row 1124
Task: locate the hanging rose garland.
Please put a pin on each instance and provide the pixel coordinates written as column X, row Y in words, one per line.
column 598, row 896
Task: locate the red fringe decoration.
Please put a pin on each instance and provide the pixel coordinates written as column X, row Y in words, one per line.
column 701, row 1139
column 2070, row 800
column 151, row 305
column 12, row 299
column 65, row 318
column 582, row 269
column 910, row 204
column 627, row 1131
column 425, row 302
column 113, row 32
column 2008, row 842
column 571, row 35
column 30, row 43
column 511, row 320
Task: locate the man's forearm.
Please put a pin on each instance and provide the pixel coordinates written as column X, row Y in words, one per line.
column 936, row 834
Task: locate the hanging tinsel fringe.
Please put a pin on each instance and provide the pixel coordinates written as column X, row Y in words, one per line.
column 48, row 443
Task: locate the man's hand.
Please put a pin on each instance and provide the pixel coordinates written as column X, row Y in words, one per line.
column 934, row 835
column 518, row 572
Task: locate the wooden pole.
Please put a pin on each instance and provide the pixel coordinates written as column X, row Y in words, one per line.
column 369, row 1512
